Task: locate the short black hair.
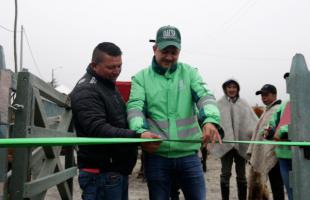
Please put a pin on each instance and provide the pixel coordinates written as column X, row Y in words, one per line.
column 105, row 47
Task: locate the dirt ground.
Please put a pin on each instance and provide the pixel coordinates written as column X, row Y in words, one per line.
column 138, row 188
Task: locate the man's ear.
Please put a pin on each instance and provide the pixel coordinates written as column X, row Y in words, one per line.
column 93, row 65
column 154, row 48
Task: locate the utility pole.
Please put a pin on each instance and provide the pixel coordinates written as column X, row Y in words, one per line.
column 15, row 31
column 21, row 48
column 54, row 81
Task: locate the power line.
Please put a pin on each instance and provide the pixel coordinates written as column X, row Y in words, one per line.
column 234, row 18
column 6, row 29
column 238, row 13
column 31, row 53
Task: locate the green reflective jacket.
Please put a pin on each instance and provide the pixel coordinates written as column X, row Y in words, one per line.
column 171, row 103
column 281, row 151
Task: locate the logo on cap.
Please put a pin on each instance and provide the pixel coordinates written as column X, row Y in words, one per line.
column 168, row 36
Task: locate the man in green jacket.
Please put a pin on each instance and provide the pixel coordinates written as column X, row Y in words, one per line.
column 278, row 130
column 170, row 100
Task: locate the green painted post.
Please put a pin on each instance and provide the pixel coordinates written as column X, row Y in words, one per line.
column 298, row 86
column 21, row 157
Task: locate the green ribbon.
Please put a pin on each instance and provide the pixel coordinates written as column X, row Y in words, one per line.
column 71, row 141
column 68, row 141
column 282, row 143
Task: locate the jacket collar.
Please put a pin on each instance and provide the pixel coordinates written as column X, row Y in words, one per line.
column 276, row 102
column 91, row 72
column 232, row 100
column 161, row 70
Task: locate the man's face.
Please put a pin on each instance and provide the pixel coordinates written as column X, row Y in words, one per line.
column 268, row 98
column 166, row 57
column 109, row 67
column 231, row 90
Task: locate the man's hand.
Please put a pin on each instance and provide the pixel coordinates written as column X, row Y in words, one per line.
column 269, row 133
column 276, row 137
column 150, row 147
column 210, row 133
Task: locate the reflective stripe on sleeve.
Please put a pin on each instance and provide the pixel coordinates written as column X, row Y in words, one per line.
column 205, row 100
column 134, row 113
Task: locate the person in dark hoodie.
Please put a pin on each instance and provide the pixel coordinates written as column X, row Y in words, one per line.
column 238, row 121
column 100, row 111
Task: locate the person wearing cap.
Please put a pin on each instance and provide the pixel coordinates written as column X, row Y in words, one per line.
column 238, row 121
column 277, row 129
column 164, row 99
column 99, row 111
column 264, row 163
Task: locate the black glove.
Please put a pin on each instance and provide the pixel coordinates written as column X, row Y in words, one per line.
column 285, row 136
column 270, row 133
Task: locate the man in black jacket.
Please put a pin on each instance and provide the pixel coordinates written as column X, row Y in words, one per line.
column 99, row 111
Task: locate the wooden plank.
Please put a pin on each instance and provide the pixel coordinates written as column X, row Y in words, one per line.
column 64, row 191
column 37, row 186
column 69, row 162
column 36, row 155
column 34, row 132
column 52, row 152
column 42, row 117
column 55, row 120
column 66, row 120
column 47, row 91
column 46, row 168
column 64, row 188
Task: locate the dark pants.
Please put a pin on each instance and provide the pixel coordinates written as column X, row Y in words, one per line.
column 103, row 186
column 160, row 173
column 227, row 162
column 276, row 182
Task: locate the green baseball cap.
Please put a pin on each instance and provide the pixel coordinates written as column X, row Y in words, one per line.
column 168, row 36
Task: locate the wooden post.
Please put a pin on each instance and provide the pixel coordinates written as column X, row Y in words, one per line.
column 298, row 86
column 21, row 156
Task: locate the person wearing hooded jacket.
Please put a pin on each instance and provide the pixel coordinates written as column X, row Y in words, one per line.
column 238, row 121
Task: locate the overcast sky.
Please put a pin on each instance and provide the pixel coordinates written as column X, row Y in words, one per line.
column 252, row 41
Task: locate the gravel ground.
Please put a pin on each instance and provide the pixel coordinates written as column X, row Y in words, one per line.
column 138, row 188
